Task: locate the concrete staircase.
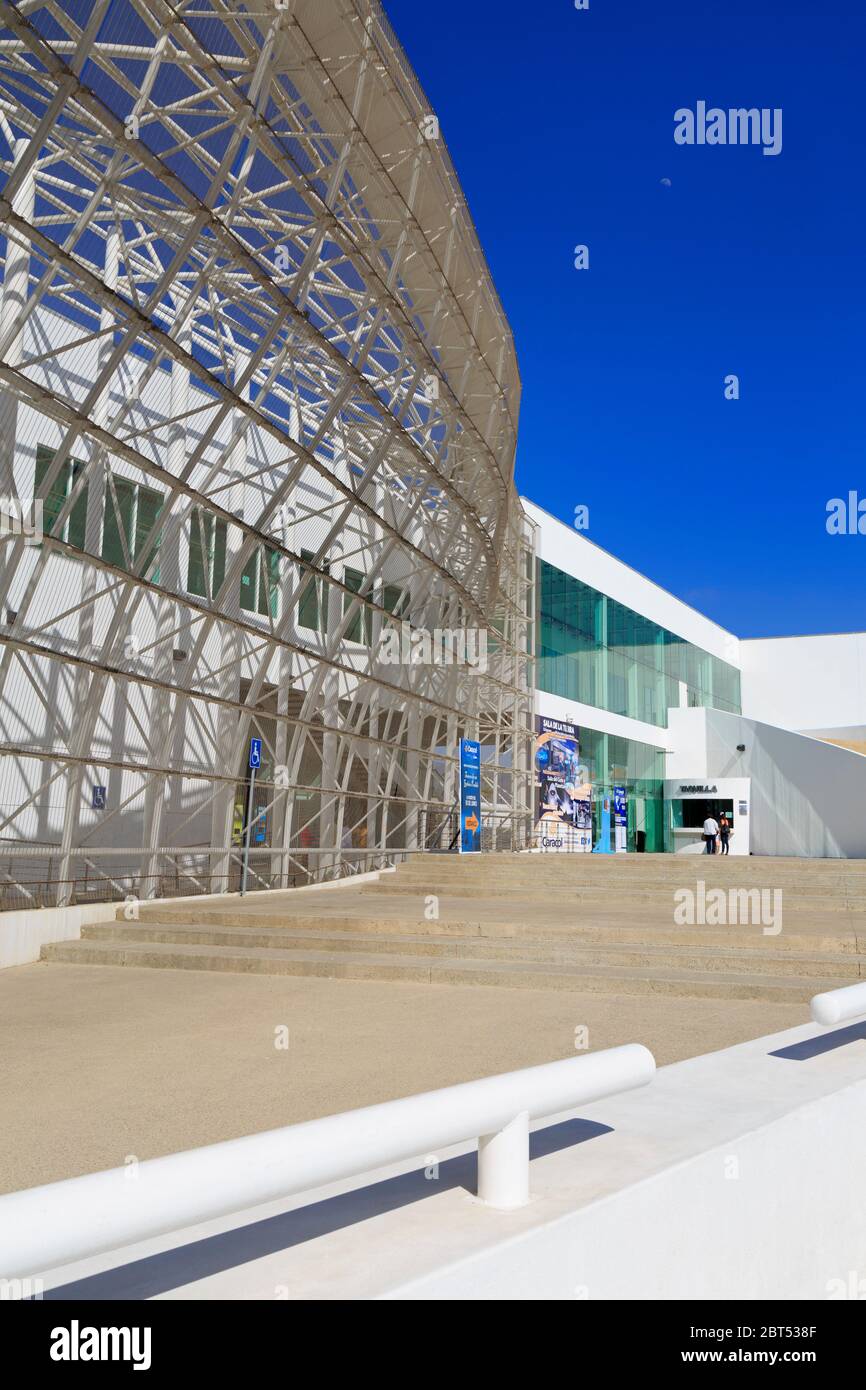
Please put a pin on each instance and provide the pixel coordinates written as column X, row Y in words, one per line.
column 578, row 923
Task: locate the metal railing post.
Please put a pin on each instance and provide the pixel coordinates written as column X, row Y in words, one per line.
column 503, row 1165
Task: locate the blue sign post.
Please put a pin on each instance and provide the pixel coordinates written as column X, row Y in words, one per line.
column 255, row 763
column 470, row 796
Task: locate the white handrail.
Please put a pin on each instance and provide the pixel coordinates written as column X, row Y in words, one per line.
column 837, row 1005
column 42, row 1228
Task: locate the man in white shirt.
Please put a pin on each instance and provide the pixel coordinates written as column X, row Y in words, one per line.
column 711, row 830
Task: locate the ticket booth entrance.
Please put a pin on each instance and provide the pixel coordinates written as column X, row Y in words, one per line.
column 689, row 804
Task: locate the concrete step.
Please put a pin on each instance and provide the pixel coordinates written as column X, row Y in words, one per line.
column 470, row 885
column 518, row 922
column 658, row 907
column 568, row 950
column 726, row 873
column 804, row 929
column 642, row 865
column 633, row 863
column 629, row 894
column 367, row 916
column 619, row 869
column 625, row 884
column 406, row 967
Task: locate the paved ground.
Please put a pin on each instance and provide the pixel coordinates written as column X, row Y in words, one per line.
column 100, row 1063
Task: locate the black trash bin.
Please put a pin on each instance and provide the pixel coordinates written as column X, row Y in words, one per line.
column 640, row 841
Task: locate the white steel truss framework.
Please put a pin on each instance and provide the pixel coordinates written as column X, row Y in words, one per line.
column 254, row 371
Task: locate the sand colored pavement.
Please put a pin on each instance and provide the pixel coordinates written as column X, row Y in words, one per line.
column 101, row 1064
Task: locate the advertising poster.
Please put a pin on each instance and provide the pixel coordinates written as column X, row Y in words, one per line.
column 620, row 820
column 564, row 821
column 470, row 796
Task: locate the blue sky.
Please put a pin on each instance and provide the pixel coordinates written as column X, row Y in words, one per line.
column 560, row 123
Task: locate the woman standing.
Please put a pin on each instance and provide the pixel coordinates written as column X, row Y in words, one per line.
column 725, row 832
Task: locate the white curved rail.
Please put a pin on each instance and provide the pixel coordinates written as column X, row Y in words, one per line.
column 42, row 1228
column 837, row 1005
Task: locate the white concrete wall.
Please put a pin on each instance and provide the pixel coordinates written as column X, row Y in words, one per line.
column 24, row 933
column 776, row 1215
column 807, row 797
column 806, row 683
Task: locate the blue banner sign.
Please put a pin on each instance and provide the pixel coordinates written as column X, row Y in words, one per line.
column 470, row 796
column 620, row 820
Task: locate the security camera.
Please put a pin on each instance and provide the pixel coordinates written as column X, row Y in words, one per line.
column 741, row 748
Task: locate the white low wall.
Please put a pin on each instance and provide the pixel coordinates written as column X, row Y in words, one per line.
column 24, row 933
column 776, row 1215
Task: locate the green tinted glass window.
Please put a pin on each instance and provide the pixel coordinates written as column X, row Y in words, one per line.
column 206, row 568
column 394, row 599
column 269, row 585
column 593, row 649
column 612, row 761
column 248, row 582
column 131, row 512
column 74, row 526
column 146, row 539
column 358, row 629
column 260, row 582
column 117, row 545
column 313, row 603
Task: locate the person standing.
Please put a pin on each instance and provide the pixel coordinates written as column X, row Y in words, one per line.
column 725, row 833
column 711, row 830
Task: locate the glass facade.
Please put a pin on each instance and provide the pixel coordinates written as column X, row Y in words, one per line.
column 639, row 768
column 595, row 650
